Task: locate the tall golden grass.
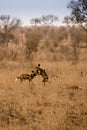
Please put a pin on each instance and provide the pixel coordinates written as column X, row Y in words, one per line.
column 60, row 105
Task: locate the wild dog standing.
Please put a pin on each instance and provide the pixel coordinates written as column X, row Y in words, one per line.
column 28, row 77
column 24, row 77
column 41, row 71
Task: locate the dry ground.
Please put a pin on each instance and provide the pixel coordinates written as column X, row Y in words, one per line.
column 60, row 105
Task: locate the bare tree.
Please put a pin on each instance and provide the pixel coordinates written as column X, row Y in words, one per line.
column 45, row 20
column 78, row 12
column 49, row 19
column 7, row 26
column 78, row 17
column 35, row 21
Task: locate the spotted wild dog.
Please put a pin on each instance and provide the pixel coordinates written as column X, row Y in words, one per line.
column 41, row 71
column 26, row 76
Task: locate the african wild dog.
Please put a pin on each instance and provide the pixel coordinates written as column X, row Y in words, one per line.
column 39, row 71
column 26, row 76
column 43, row 73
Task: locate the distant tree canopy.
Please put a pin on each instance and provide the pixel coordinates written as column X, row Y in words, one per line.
column 44, row 20
column 7, row 26
column 78, row 13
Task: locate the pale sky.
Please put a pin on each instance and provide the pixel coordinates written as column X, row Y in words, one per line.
column 28, row 9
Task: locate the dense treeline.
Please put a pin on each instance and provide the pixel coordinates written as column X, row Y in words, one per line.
column 39, row 42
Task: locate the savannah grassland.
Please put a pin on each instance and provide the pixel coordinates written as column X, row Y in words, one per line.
column 60, row 105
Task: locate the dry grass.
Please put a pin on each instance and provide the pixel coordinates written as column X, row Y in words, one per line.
column 60, row 105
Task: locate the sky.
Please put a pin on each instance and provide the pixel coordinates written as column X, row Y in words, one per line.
column 28, row 9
